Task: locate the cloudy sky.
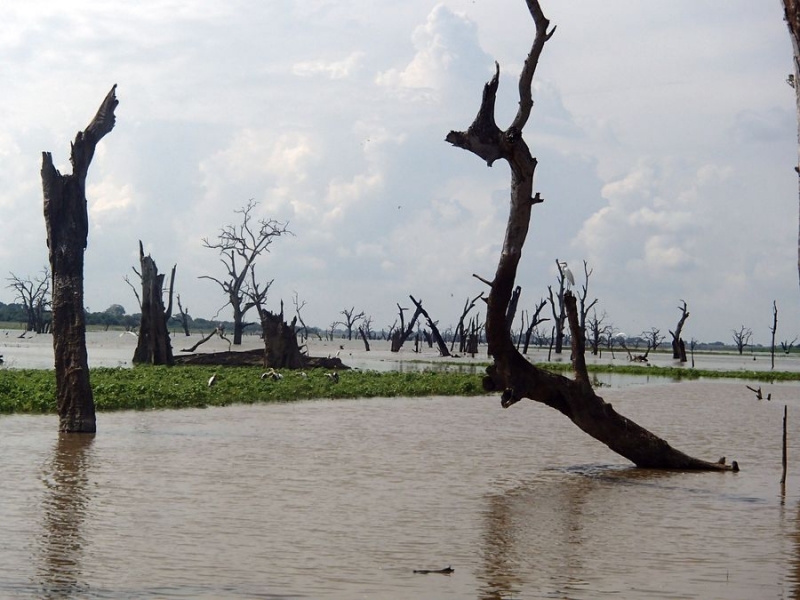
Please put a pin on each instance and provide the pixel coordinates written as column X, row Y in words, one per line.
column 665, row 134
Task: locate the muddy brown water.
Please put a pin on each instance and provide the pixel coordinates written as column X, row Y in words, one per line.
column 345, row 499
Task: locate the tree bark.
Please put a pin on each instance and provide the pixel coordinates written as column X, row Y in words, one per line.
column 678, row 346
column 154, row 345
column 510, row 372
column 440, row 344
column 792, row 16
column 67, row 221
column 280, row 342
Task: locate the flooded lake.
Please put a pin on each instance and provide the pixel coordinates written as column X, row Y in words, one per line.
column 345, row 499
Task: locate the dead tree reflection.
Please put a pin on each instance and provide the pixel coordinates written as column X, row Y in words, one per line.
column 60, row 550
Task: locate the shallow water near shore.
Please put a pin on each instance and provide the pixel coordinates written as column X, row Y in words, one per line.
column 345, row 499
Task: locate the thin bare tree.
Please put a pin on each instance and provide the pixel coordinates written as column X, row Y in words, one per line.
column 34, row 295
column 741, row 337
column 351, row 317
column 239, row 247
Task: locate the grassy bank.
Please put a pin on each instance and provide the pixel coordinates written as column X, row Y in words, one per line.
column 141, row 388
column 678, row 372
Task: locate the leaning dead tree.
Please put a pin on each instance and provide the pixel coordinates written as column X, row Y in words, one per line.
column 154, row 347
column 437, row 337
column 67, row 221
column 510, row 372
column 403, row 332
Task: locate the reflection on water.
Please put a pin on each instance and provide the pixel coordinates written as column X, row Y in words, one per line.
column 345, row 499
column 64, row 509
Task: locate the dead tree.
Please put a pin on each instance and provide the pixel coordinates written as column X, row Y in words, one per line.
column 741, row 337
column 459, row 332
column 67, row 221
column 792, row 16
column 596, row 332
column 559, row 314
column 154, row 347
column 184, row 316
column 773, row 329
column 534, row 321
column 350, row 319
column 281, row 350
column 364, row 338
column 298, row 306
column 678, row 345
column 239, row 246
column 585, row 308
column 511, row 373
column 653, row 338
column 34, row 294
column 437, row 337
column 402, row 333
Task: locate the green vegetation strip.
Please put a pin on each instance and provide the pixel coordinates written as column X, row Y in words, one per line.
column 143, row 388
column 678, row 372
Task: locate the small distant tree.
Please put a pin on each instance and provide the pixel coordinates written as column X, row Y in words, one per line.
column 350, row 319
column 34, row 295
column 787, row 346
column 557, row 305
column 773, row 329
column 653, row 338
column 184, row 316
column 596, row 331
column 583, row 307
column 239, row 247
column 741, row 337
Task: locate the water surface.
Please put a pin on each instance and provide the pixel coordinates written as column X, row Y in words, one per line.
column 344, row 499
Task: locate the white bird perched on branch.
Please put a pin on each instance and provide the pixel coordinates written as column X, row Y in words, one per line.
column 566, row 273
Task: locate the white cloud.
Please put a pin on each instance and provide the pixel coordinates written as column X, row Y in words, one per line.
column 671, row 175
column 340, row 69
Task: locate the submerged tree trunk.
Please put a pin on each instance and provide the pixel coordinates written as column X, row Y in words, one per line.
column 67, row 221
column 154, row 345
column 511, row 373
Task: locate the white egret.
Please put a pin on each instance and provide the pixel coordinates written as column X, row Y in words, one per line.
column 566, row 273
column 212, row 380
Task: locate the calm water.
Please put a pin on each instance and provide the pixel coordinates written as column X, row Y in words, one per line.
column 344, row 499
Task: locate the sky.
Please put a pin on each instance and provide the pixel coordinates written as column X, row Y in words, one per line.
column 665, row 134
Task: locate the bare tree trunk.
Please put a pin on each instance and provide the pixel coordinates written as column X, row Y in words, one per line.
column 443, row 351
column 401, row 334
column 154, row 345
column 184, row 313
column 511, row 373
column 364, row 338
column 678, row 346
column 280, row 341
column 67, row 222
column 459, row 332
column 792, row 16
